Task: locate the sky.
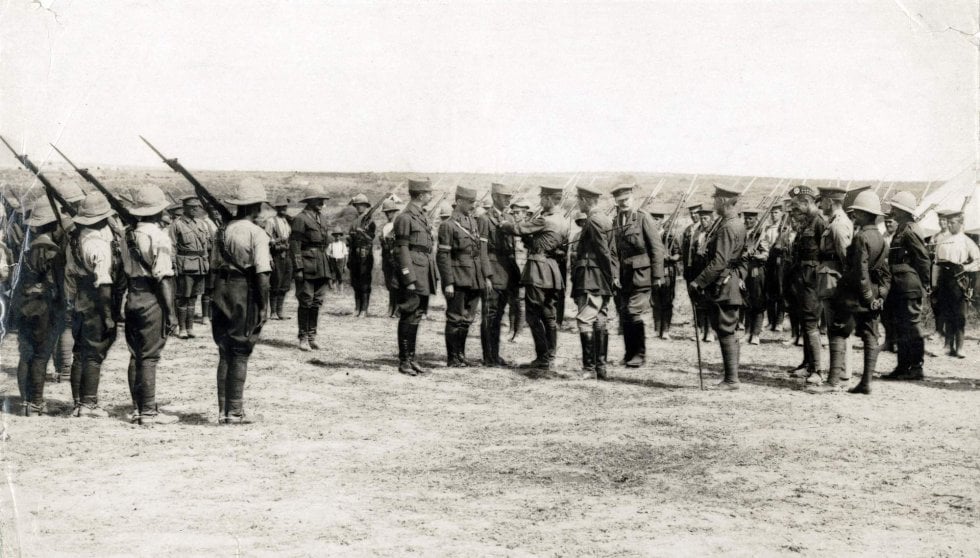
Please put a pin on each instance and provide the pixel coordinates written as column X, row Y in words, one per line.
column 832, row 89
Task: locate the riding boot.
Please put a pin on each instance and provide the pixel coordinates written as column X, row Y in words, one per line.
column 902, row 353
column 462, row 332
column 301, row 325
column 871, row 350
column 413, row 335
column 729, row 356
column 486, row 341
column 235, row 389
column 539, row 336
column 637, row 334
column 91, row 373
column 587, row 339
column 450, row 335
column 917, row 353
column 404, row 362
column 601, row 352
column 312, row 319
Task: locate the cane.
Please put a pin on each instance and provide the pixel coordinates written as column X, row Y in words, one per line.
column 697, row 341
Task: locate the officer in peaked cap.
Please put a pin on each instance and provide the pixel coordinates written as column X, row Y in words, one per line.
column 542, row 277
column 804, row 272
column 389, row 265
column 308, row 244
column 416, row 272
column 641, row 253
column 663, row 296
column 503, row 271
column 279, row 230
column 242, row 268
column 719, row 282
column 465, row 273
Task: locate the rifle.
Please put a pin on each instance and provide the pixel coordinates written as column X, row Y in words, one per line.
column 564, row 196
column 199, row 188
column 757, row 229
column 669, row 222
column 364, row 219
column 128, row 218
column 435, row 206
column 49, row 190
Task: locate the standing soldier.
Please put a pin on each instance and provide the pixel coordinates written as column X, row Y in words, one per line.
column 805, row 265
column 758, row 243
column 192, row 240
column 640, row 267
column 957, row 257
column 596, row 276
column 150, row 314
column 42, row 301
column 90, row 282
column 910, row 270
column 519, row 209
column 308, row 243
column 663, row 296
column 542, row 276
column 64, row 346
column 416, row 271
column 242, row 266
column 774, row 281
column 887, row 313
column 278, row 228
column 833, row 253
column 860, row 294
column 695, row 253
column 944, row 233
column 719, row 282
column 360, row 262
column 389, row 266
column 503, row 273
column 462, row 261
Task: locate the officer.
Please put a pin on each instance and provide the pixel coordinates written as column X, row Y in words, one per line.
column 42, row 301
column 718, row 284
column 192, row 240
column 640, row 250
column 503, row 272
column 910, row 270
column 791, row 295
column 542, row 275
column 416, row 272
column 463, row 267
column 389, row 265
column 695, row 251
column 150, row 312
column 308, row 244
column 90, row 283
column 759, row 242
column 242, row 268
column 860, row 294
column 596, row 276
column 663, row 296
column 957, row 258
column 836, row 238
column 360, row 253
column 806, row 251
column 279, row 229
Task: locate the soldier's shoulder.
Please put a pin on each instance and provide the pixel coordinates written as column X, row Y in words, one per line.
column 601, row 220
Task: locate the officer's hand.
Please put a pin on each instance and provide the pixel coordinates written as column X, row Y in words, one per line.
column 410, row 287
column 877, row 304
column 693, row 290
column 449, row 291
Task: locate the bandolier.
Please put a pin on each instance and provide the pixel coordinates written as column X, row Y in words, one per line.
column 193, row 239
column 503, row 273
column 640, row 252
column 279, row 229
column 463, row 266
column 360, row 254
column 308, row 244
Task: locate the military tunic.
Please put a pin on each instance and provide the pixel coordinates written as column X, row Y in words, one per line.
column 462, row 263
column 721, row 280
column 641, row 262
column 41, row 295
column 910, row 271
column 957, row 258
column 279, row 230
column 663, row 296
column 192, row 241
column 360, row 260
column 416, row 268
column 308, row 243
column 504, row 277
column 865, row 278
column 757, row 248
column 596, row 270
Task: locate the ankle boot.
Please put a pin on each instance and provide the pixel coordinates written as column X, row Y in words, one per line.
column 870, row 362
column 729, row 356
column 587, row 338
column 601, row 352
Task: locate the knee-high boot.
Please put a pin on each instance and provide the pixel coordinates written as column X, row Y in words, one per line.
column 729, row 356
column 450, row 334
column 312, row 321
column 601, row 352
column 636, row 333
column 412, row 333
column 462, row 332
column 587, row 339
column 302, row 323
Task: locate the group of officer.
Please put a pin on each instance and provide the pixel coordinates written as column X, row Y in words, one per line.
column 820, row 258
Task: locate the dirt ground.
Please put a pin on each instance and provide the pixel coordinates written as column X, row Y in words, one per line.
column 348, row 457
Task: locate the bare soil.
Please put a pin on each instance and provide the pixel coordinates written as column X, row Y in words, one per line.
column 348, row 457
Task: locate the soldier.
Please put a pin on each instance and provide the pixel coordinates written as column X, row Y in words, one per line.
column 663, row 296
column 859, row 295
column 758, row 244
column 192, row 240
column 806, row 251
column 360, row 262
column 833, row 253
column 910, row 271
column 640, row 253
column 90, row 283
column 416, row 271
column 503, row 272
column 519, row 209
column 887, row 320
column 64, row 345
column 596, row 274
column 337, row 254
column 388, row 264
column 464, row 269
column 718, row 284
column 777, row 253
column 791, row 295
column 695, row 253
column 308, row 243
column 542, row 276
column 279, row 229
column 150, row 313
column 944, row 233
column 42, row 301
column 242, row 266
column 957, row 256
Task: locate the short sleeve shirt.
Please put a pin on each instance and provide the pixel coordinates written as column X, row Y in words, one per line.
column 247, row 245
column 156, row 249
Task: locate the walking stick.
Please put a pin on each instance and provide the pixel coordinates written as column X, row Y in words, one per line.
column 697, row 341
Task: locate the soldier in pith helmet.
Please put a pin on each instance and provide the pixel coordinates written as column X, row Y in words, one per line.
column 279, row 229
column 389, row 265
column 360, row 254
column 308, row 243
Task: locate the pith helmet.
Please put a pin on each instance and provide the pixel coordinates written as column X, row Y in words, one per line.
column 95, row 207
column 390, row 205
column 148, row 200
column 249, row 192
column 71, row 191
column 868, row 202
column 42, row 214
column 904, row 201
column 281, row 201
column 313, row 193
column 359, row 199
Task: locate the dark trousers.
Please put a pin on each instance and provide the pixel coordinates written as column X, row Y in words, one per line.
column 93, row 336
column 411, row 307
column 541, row 306
column 311, row 292
column 361, row 269
column 494, row 307
column 235, row 327
column 145, row 337
column 663, row 305
column 282, row 272
column 908, row 330
column 36, row 335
